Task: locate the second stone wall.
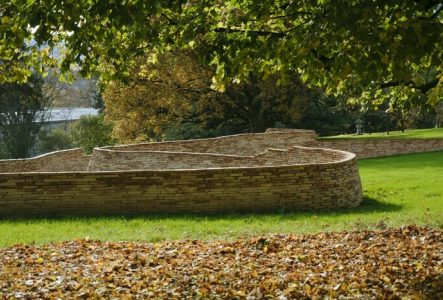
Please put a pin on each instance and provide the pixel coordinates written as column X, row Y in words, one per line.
column 379, row 147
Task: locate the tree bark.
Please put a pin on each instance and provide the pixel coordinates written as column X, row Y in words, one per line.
column 256, row 120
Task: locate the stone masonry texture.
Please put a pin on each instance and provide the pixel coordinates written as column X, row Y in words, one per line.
column 282, row 169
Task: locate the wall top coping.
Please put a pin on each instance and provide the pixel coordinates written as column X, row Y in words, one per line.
column 344, row 153
column 272, row 130
column 74, row 150
column 199, row 170
column 346, row 157
column 387, row 139
column 106, row 149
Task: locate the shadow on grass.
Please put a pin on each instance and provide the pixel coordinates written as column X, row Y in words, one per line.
column 373, row 205
column 368, row 205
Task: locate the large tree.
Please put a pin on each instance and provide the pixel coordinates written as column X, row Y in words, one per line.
column 362, row 46
column 177, row 89
column 22, row 113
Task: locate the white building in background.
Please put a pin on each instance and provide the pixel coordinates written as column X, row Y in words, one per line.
column 62, row 117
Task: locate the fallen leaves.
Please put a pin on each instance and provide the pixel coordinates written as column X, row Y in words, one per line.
column 392, row 263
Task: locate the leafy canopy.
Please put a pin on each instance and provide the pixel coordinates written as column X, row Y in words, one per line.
column 339, row 45
column 176, row 90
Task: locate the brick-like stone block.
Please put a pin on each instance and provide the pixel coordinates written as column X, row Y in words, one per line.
column 246, row 172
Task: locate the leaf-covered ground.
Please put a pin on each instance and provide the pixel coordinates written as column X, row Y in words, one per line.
column 392, row 263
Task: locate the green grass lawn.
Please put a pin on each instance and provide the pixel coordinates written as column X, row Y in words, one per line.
column 408, row 134
column 398, row 190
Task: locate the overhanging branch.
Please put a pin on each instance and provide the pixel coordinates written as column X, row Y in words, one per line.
column 254, row 32
column 424, row 88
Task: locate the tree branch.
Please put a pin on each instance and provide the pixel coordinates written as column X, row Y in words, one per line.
column 255, row 32
column 424, row 88
column 297, row 13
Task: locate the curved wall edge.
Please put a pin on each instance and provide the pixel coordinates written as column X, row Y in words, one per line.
column 273, row 171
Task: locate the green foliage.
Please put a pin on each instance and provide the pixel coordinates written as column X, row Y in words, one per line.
column 342, row 46
column 97, row 100
column 22, row 113
column 92, row 131
column 398, row 191
column 325, row 115
column 173, row 98
column 189, row 130
column 54, row 140
column 3, row 152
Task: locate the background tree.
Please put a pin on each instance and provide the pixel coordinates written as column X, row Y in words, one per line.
column 77, row 92
column 54, row 140
column 439, row 114
column 92, row 131
column 156, row 97
column 262, row 102
column 177, row 91
column 3, row 152
column 22, row 113
column 326, row 115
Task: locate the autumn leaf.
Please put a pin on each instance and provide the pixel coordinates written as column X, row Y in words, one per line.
column 390, row 263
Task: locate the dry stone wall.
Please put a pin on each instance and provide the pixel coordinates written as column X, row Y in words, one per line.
column 234, row 173
column 246, row 172
column 298, row 187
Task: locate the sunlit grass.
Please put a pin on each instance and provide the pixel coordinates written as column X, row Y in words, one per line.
column 398, row 190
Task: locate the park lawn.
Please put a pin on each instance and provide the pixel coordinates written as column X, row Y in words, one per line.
column 431, row 133
column 399, row 190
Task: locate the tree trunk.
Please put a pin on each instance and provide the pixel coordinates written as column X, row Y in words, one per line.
column 402, row 124
column 257, row 121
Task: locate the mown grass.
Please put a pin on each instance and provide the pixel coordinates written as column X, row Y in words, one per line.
column 408, row 134
column 398, row 191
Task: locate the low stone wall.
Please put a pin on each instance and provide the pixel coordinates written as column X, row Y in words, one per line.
column 65, row 160
column 297, row 187
column 379, row 147
column 246, row 172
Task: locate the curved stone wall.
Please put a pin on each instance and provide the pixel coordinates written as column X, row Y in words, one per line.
column 249, row 172
column 297, row 187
